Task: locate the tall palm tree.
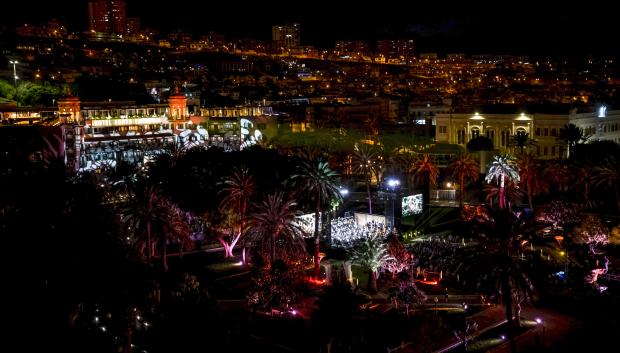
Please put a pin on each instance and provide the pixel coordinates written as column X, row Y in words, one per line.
column 320, row 183
column 174, row 229
column 142, row 213
column 373, row 122
column 529, row 174
column 366, row 162
column 402, row 164
column 556, row 177
column 464, row 166
column 371, row 253
column 494, row 262
column 511, row 194
column 154, row 221
column 273, row 225
column 572, row 135
column 521, row 140
column 502, row 167
column 238, row 188
column 609, row 175
column 425, row 171
column 584, row 179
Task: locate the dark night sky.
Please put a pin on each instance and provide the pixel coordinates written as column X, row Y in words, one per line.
column 519, row 27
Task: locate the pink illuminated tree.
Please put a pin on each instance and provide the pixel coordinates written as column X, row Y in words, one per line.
column 400, row 257
column 238, row 188
column 592, row 232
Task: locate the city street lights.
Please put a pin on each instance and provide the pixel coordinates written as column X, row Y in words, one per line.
column 540, row 322
column 392, row 185
column 15, row 62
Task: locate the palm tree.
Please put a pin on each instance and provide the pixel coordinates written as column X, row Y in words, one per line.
column 511, row 193
column 402, row 163
column 142, row 213
column 425, row 171
column 584, row 178
column 154, row 221
column 494, row 262
column 609, row 175
column 274, row 225
column 522, row 140
column 572, row 135
column 366, row 162
column 238, row 188
column 373, row 122
column 320, row 183
column 464, row 167
column 502, row 167
column 371, row 253
column 174, row 229
column 556, row 177
column 529, row 174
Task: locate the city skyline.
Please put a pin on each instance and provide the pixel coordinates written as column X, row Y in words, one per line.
column 528, row 29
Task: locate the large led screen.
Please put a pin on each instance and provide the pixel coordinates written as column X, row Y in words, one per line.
column 412, row 205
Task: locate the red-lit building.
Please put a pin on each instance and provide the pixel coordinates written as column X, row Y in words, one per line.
column 107, row 16
column 133, row 26
column 396, row 48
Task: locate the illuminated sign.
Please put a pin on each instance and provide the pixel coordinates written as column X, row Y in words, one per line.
column 127, row 121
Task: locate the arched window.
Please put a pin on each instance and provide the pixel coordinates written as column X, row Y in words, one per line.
column 490, row 134
column 475, row 132
column 460, row 137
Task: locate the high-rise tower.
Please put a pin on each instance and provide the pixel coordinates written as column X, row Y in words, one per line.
column 287, row 36
column 107, row 16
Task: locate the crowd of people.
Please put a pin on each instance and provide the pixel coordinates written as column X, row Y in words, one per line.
column 345, row 231
column 435, row 255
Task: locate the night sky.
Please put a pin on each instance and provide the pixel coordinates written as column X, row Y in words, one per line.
column 513, row 27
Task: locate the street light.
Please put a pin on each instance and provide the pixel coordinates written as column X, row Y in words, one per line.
column 15, row 62
column 392, row 185
column 540, row 322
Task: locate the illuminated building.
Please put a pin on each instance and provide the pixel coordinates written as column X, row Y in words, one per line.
column 599, row 124
column 234, row 128
column 114, row 131
column 460, row 128
column 107, row 16
column 351, row 47
column 178, row 106
column 133, row 26
column 396, row 48
column 287, row 36
column 69, row 109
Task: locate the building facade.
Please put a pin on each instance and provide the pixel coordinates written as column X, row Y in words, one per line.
column 543, row 130
column 287, row 36
column 598, row 125
column 396, row 48
column 107, row 16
